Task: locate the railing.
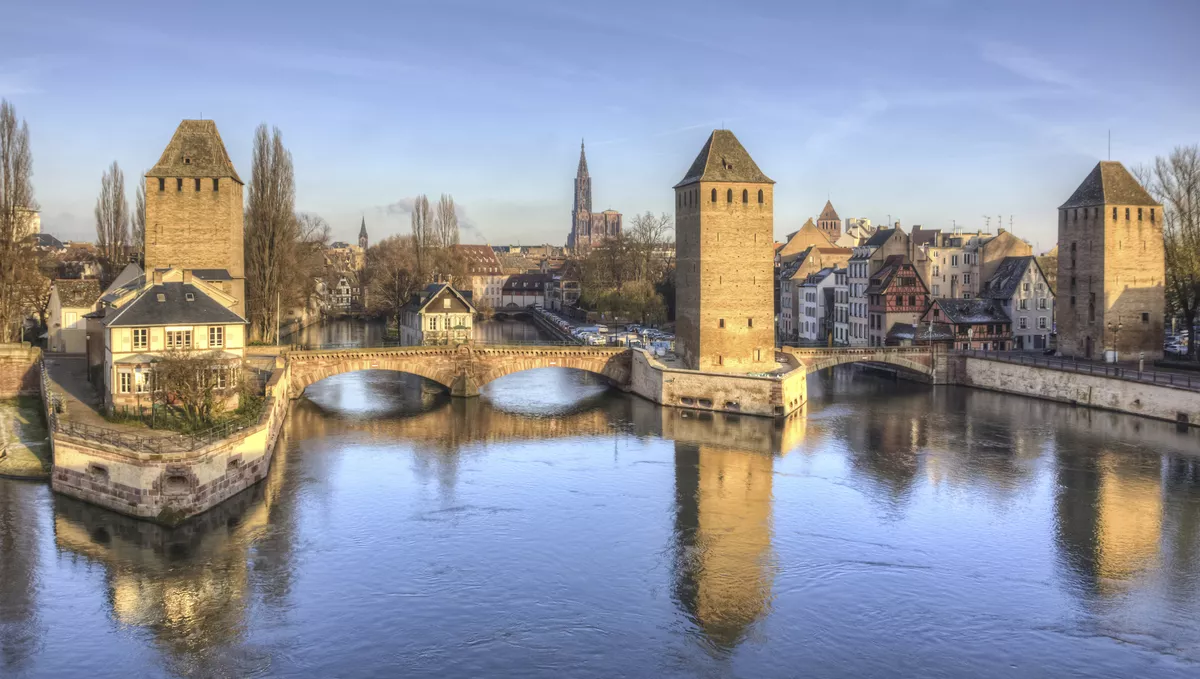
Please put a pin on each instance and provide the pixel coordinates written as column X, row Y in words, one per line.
column 394, row 344
column 1119, row 372
column 163, row 443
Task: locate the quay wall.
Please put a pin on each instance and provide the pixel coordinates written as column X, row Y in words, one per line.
column 722, row 392
column 20, row 370
column 1094, row 391
column 169, row 487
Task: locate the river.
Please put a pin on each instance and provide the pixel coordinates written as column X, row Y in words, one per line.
column 554, row 527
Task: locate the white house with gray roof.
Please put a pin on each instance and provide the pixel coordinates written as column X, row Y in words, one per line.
column 1020, row 286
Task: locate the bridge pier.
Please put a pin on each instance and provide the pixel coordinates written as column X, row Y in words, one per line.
column 464, row 387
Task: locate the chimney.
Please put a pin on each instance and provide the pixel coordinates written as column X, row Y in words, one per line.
column 157, row 277
column 187, row 276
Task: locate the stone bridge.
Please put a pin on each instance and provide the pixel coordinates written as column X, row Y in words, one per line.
column 462, row 369
column 921, row 360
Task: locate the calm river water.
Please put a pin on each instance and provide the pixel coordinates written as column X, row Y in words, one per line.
column 556, row 528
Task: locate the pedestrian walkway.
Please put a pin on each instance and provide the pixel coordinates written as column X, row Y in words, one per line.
column 1167, row 377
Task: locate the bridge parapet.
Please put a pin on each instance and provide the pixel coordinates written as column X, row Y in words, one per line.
column 923, row 360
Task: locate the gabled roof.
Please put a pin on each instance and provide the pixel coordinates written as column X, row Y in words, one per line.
column 1109, row 183
column 212, row 274
column 956, row 310
column 925, row 236
column 195, row 150
column 880, row 237
column 893, row 265
column 829, row 213
column 45, row 240
column 1003, row 284
column 480, row 259
column 431, row 292
column 75, row 293
column 129, row 274
column 724, row 159
column 168, row 304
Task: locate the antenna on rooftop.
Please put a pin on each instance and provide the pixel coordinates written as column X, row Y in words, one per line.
column 987, row 221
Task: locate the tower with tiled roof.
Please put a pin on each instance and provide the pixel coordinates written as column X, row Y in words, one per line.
column 829, row 222
column 1110, row 268
column 194, row 208
column 724, row 223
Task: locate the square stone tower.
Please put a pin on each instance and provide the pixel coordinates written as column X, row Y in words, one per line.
column 194, row 210
column 1110, row 268
column 725, row 261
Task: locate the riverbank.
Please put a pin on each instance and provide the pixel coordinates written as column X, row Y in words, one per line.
column 24, row 440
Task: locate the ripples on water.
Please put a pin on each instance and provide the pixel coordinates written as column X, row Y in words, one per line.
column 557, row 528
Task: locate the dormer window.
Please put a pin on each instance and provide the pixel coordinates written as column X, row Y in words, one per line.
column 187, row 161
column 189, row 297
column 161, row 297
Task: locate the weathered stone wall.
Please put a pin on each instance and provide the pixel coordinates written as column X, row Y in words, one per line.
column 170, row 487
column 19, row 370
column 1095, row 391
column 744, row 394
column 1120, row 261
column 197, row 229
column 725, row 313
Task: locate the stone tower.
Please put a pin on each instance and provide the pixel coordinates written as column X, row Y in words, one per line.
column 829, row 223
column 581, row 213
column 1110, row 268
column 724, row 228
column 362, row 234
column 194, row 210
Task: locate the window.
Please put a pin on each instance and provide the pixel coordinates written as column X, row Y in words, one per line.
column 937, row 290
column 1151, row 215
column 216, row 183
column 216, row 336
column 966, row 279
column 446, row 303
column 1022, row 322
column 179, row 183
column 1042, row 322
column 1023, row 304
column 760, row 200
column 1091, row 306
column 1114, row 214
column 126, row 382
column 1145, row 317
column 141, row 338
column 721, row 323
column 197, row 184
column 1126, row 214
column 433, row 322
column 1041, row 302
column 179, row 339
column 222, row 377
column 714, row 195
column 1025, row 286
column 139, row 382
column 728, row 195
column 162, row 184
column 749, row 322
column 1139, row 214
column 746, row 197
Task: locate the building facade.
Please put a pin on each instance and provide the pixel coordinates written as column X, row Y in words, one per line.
column 70, row 301
column 1110, row 268
column 829, row 223
column 439, row 314
column 589, row 229
column 895, row 295
column 1020, row 286
column 525, row 290
column 485, row 275
column 867, row 259
column 194, row 209
column 979, row 324
column 841, row 307
column 724, row 222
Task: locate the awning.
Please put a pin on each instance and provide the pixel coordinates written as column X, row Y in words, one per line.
column 136, row 359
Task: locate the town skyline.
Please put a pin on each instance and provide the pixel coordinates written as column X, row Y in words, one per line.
column 1005, row 129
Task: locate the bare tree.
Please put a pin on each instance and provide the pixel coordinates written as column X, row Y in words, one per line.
column 272, row 230
column 391, row 275
column 307, row 261
column 422, row 234
column 446, row 223
column 646, row 238
column 112, row 218
column 193, row 383
column 139, row 221
column 1175, row 182
column 16, row 206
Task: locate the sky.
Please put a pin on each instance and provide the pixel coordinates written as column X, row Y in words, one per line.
column 931, row 112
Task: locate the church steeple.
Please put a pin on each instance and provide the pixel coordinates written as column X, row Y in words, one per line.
column 582, row 171
column 362, row 234
column 583, row 185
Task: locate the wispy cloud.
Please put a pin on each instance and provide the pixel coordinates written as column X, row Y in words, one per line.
column 1023, row 62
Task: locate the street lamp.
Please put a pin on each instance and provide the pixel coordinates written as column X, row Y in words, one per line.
column 1116, row 331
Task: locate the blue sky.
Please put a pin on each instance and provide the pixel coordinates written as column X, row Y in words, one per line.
column 925, row 110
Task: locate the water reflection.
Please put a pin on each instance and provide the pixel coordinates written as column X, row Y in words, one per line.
column 555, row 527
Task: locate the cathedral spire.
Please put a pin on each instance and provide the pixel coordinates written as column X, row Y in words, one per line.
column 582, row 171
column 362, row 234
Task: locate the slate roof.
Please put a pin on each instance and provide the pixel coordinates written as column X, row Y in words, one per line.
column 480, row 259
column 174, row 309
column 45, row 240
column 829, row 213
column 724, row 159
column 422, row 299
column 788, row 271
column 527, row 282
column 925, row 236
column 880, row 237
column 1109, row 183
column 1004, row 283
column 195, row 150
column 922, row 331
column 212, row 274
column 891, row 266
column 77, row 293
column 972, row 310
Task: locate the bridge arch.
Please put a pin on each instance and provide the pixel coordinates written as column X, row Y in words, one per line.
column 914, row 359
column 309, row 367
column 612, row 364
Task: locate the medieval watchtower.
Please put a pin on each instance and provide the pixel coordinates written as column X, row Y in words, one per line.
column 194, row 210
column 724, row 226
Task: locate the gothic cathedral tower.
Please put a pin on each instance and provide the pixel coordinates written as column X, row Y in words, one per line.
column 194, row 210
column 1110, row 268
column 362, row 235
column 581, row 213
column 724, row 228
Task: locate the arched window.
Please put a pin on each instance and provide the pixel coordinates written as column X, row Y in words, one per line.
column 760, row 196
column 714, row 195
column 745, row 196
column 728, row 195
